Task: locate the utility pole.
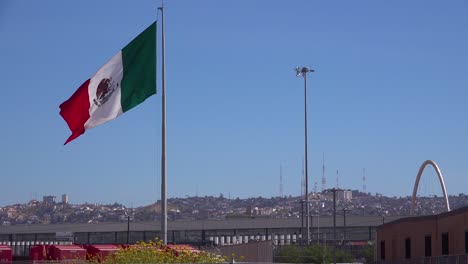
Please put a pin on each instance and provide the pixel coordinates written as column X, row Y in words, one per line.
column 334, row 225
column 302, row 222
column 381, row 208
column 128, row 229
column 334, row 190
column 302, row 71
column 344, row 225
column 316, row 199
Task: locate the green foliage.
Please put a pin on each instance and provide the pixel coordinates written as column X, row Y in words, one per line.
column 156, row 252
column 368, row 254
column 343, row 257
column 312, row 254
column 315, row 254
column 290, row 254
column 234, row 258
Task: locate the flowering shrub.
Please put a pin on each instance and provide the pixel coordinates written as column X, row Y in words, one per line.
column 156, row 252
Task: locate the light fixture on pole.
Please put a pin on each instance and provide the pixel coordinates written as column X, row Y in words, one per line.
column 302, row 71
column 129, row 217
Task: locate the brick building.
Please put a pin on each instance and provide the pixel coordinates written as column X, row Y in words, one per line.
column 418, row 238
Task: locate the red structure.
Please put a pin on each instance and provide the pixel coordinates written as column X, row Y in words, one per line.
column 101, row 252
column 63, row 252
column 6, row 254
column 56, row 252
column 39, row 252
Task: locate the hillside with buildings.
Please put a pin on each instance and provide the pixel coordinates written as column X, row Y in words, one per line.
column 50, row 211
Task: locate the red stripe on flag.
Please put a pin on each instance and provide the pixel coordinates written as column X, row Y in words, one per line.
column 75, row 111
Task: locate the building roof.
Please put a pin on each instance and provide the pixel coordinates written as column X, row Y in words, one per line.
column 457, row 211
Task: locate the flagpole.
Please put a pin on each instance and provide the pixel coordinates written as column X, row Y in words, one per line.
column 163, row 139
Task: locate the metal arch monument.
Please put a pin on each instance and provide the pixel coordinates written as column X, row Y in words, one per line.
column 418, row 177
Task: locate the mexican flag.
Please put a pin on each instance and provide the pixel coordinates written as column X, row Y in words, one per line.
column 125, row 81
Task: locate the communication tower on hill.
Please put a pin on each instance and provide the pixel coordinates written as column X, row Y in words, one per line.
column 337, row 179
column 281, row 181
column 324, row 180
column 364, row 180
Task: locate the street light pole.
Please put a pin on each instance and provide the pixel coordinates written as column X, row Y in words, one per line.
column 302, row 71
column 334, row 225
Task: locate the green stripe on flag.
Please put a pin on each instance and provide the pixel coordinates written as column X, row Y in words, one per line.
column 139, row 69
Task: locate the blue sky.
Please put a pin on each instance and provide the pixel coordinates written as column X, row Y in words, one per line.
column 389, row 92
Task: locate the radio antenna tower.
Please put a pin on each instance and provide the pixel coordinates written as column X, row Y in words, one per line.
column 364, row 180
column 337, row 179
column 324, row 181
column 281, row 181
column 315, row 188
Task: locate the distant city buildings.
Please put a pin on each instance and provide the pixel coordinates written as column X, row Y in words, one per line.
column 345, row 195
column 209, row 207
column 64, row 199
column 48, row 200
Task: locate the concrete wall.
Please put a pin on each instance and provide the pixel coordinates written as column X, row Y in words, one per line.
column 261, row 251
